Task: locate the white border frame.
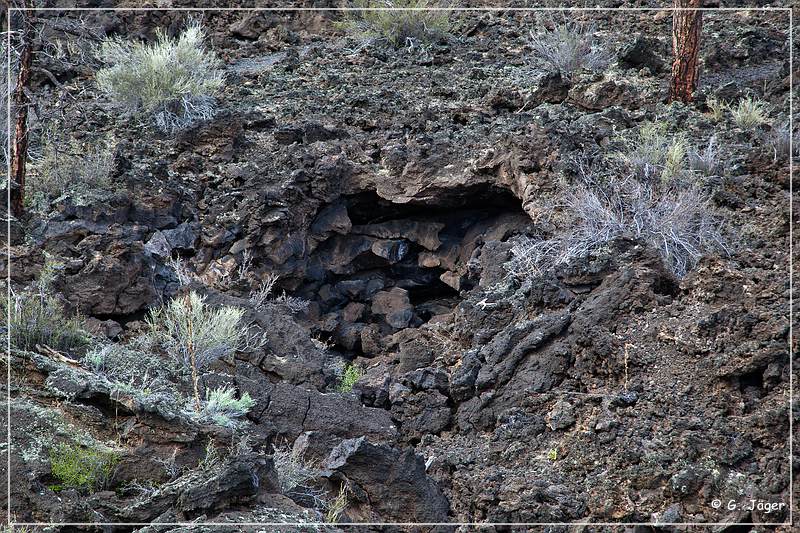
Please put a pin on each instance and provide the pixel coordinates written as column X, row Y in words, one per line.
column 789, row 523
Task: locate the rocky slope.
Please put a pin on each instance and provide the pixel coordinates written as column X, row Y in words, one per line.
column 385, row 189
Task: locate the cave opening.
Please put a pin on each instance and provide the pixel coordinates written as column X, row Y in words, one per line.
column 376, row 267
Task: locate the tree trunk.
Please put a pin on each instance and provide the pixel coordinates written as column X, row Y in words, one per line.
column 686, row 28
column 19, row 156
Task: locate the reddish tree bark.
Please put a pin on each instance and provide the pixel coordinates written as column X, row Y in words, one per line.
column 686, row 28
column 19, row 158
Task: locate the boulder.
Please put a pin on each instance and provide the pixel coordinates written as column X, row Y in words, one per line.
column 394, row 484
column 395, row 306
column 642, row 51
column 292, row 411
column 238, row 481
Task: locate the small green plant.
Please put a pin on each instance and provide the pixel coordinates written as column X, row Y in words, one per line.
column 96, row 360
column 351, row 374
column 173, row 81
column 196, row 335
column 84, row 469
column 654, row 154
column 552, row 455
column 675, row 160
column 398, row 22
column 221, row 405
column 336, row 506
column 38, row 317
column 750, row 113
column 716, row 108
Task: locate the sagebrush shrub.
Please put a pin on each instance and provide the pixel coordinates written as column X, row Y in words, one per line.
column 222, row 406
column 183, row 273
column 296, row 476
column 679, row 222
column 398, row 22
column 84, row 469
column 294, row 471
column 568, row 48
column 132, row 369
column 196, row 334
column 706, row 161
column 261, row 296
column 750, row 113
column 654, row 154
column 647, row 192
column 37, row 317
column 293, row 303
column 174, row 81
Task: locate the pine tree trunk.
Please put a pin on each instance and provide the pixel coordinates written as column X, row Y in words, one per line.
column 19, row 156
column 686, row 29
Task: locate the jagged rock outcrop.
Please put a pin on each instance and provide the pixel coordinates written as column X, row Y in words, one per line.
column 389, row 483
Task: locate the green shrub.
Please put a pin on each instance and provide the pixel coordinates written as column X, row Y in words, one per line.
column 84, row 469
column 716, row 108
column 196, row 335
column 351, row 374
column 398, row 22
column 750, row 113
column 172, row 81
column 221, row 405
column 647, row 192
column 131, row 368
column 38, row 317
column 654, row 154
column 336, row 506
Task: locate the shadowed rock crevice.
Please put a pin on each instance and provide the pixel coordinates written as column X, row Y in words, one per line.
column 376, row 267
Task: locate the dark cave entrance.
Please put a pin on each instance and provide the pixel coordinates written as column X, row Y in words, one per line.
column 377, row 267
